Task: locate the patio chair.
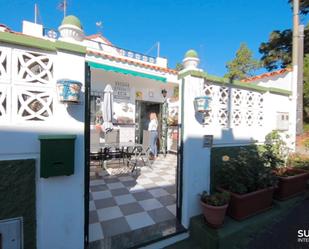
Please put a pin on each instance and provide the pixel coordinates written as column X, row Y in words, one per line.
column 113, row 138
column 143, row 151
column 96, row 153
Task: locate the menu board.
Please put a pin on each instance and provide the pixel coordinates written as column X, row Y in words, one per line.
column 122, row 91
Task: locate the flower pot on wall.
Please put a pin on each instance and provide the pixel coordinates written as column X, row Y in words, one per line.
column 290, row 186
column 243, row 206
column 68, row 91
column 201, row 104
column 214, row 215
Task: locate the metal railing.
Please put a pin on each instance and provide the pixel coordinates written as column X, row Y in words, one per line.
column 51, row 33
column 55, row 34
column 126, row 53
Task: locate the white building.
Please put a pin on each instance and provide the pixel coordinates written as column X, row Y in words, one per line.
column 51, row 213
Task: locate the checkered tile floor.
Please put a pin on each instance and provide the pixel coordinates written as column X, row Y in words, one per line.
column 126, row 202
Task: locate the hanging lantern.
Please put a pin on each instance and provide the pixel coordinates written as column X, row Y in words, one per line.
column 201, row 104
column 68, row 90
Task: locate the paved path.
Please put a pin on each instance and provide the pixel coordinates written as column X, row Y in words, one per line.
column 283, row 235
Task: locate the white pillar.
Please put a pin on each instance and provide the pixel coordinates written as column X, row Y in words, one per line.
column 196, row 158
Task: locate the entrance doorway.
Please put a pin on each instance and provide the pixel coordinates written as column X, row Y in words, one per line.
column 129, row 207
column 143, row 110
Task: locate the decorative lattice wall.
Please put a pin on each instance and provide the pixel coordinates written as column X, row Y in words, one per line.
column 233, row 107
column 27, row 86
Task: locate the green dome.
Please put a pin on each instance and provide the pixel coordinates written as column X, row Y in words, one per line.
column 191, row 53
column 72, row 20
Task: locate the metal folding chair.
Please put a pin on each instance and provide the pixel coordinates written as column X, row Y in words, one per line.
column 113, row 138
column 96, row 153
column 142, row 151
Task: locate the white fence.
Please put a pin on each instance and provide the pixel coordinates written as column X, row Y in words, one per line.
column 28, row 108
column 239, row 114
column 27, row 86
column 233, row 107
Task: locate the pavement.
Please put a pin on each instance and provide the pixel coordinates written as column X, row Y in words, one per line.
column 284, row 234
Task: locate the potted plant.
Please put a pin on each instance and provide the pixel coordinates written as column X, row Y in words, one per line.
column 292, row 180
column 69, row 90
column 250, row 183
column 214, row 207
column 299, row 161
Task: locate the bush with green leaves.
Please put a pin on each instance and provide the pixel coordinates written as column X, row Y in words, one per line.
column 274, row 151
column 216, row 199
column 246, row 173
column 298, row 161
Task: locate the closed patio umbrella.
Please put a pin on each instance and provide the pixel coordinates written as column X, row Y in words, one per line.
column 107, row 108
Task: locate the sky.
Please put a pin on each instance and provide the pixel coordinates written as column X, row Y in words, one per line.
column 214, row 28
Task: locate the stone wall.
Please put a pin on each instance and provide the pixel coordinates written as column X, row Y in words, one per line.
column 17, row 191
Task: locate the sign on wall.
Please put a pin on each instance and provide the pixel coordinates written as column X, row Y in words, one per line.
column 207, row 141
column 122, row 90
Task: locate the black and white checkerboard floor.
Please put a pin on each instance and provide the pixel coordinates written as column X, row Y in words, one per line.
column 126, row 202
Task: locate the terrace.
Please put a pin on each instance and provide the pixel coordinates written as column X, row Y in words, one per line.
column 124, row 204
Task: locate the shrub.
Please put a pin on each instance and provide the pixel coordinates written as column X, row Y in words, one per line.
column 274, row 150
column 298, row 160
column 246, row 173
column 217, row 199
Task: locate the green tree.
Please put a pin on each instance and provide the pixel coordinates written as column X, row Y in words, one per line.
column 179, row 67
column 243, row 65
column 277, row 51
column 303, row 7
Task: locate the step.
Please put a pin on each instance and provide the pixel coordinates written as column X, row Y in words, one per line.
column 184, row 244
column 237, row 234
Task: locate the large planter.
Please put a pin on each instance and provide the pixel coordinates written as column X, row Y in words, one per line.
column 68, row 90
column 290, row 186
column 243, row 206
column 214, row 215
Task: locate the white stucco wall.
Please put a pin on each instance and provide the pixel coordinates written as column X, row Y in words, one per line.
column 196, row 158
column 59, row 200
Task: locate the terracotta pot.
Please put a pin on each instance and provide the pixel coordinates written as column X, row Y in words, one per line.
column 290, row 186
column 246, row 205
column 214, row 215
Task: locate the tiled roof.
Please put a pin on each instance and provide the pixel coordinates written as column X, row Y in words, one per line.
column 90, row 37
column 136, row 63
column 266, row 75
column 6, row 28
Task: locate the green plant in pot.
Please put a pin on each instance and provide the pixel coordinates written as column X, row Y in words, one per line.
column 293, row 177
column 291, row 180
column 274, row 151
column 214, row 207
column 298, row 161
column 250, row 182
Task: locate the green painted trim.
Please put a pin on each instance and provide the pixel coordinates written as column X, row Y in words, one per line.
column 279, row 91
column 27, row 41
column 125, row 71
column 34, row 42
column 70, row 47
column 56, row 137
column 237, row 83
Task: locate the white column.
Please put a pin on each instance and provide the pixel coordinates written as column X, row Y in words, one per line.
column 196, row 159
